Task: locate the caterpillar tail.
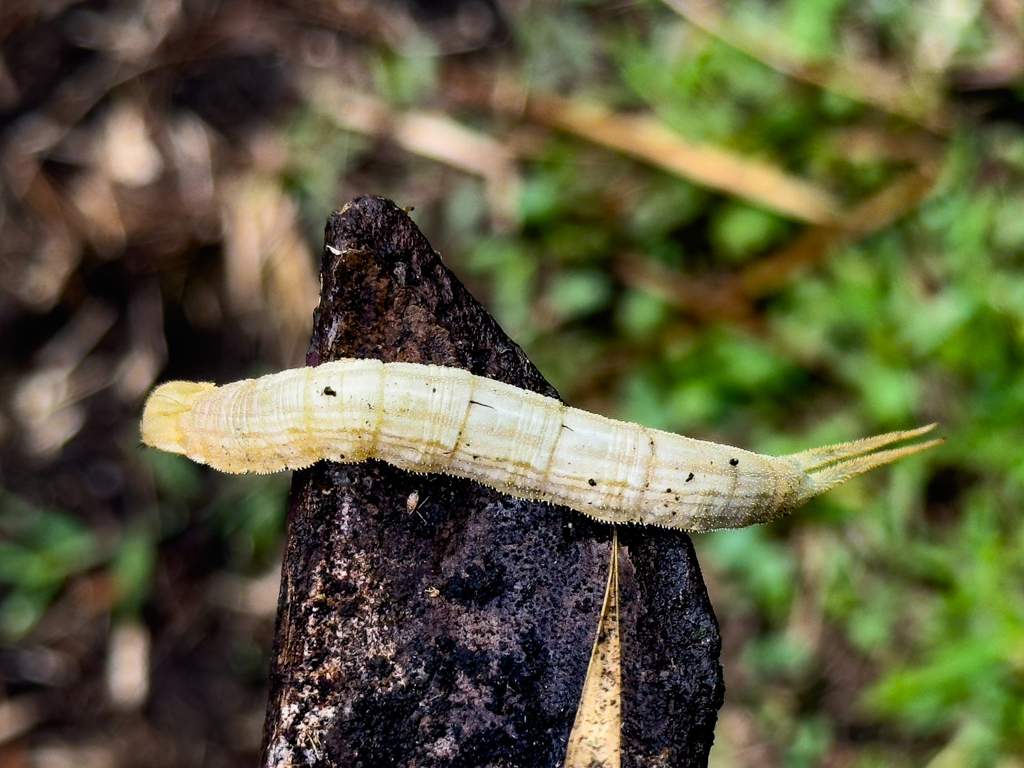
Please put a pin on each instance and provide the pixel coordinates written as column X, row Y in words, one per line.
column 830, row 465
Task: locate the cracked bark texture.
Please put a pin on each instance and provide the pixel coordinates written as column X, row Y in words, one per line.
column 457, row 633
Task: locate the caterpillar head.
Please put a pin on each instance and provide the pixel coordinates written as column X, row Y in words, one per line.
column 165, row 407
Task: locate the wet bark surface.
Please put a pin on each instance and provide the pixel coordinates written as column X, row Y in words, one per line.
column 428, row 620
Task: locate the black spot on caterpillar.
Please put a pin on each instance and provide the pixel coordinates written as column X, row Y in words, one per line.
column 418, row 417
column 330, row 392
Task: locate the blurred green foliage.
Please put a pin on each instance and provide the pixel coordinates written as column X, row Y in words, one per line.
column 246, row 513
column 42, row 550
column 39, row 551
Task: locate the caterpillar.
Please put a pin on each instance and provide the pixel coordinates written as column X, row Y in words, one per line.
column 429, row 418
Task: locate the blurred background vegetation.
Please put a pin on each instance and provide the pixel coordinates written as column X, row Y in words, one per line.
column 772, row 223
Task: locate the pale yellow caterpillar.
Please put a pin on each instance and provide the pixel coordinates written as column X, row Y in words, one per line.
column 428, row 418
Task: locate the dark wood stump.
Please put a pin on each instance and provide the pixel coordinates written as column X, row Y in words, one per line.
column 426, row 620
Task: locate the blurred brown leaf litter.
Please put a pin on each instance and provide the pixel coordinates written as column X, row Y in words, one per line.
column 167, row 168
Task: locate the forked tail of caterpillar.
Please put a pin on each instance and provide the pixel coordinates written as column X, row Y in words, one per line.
column 830, row 465
column 427, row 418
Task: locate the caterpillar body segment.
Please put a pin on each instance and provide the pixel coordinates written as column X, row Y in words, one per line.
column 434, row 419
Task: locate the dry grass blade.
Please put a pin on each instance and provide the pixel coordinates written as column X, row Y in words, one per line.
column 732, row 298
column 701, row 298
column 47, row 401
column 646, row 138
column 18, row 716
column 269, row 270
column 812, row 247
column 596, row 738
column 37, row 262
column 435, row 136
